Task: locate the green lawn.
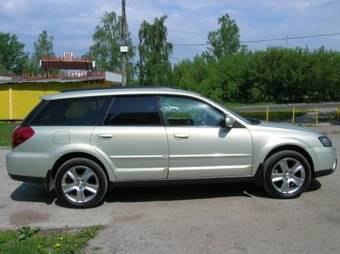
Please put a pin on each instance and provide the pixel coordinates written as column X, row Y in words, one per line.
column 5, row 133
column 30, row 241
column 236, row 105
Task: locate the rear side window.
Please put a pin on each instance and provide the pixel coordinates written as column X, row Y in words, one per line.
column 88, row 111
column 134, row 111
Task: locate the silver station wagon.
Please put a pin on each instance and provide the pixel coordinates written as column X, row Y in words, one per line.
column 81, row 142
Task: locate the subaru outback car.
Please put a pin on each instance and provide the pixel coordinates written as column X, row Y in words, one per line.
column 81, row 142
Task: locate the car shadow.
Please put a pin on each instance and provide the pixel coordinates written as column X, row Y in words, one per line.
column 314, row 185
column 187, row 192
column 195, row 191
column 37, row 193
column 28, row 192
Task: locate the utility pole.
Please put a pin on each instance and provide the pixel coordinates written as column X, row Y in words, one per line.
column 124, row 49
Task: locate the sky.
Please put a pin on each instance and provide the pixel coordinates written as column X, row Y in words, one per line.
column 72, row 22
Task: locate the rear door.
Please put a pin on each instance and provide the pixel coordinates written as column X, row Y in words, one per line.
column 199, row 145
column 134, row 138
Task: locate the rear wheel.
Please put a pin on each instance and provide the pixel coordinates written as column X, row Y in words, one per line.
column 286, row 174
column 81, row 183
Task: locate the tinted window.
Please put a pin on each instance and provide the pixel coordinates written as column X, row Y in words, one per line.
column 181, row 111
column 134, row 111
column 27, row 121
column 73, row 112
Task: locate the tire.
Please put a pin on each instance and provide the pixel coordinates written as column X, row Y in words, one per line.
column 286, row 174
column 81, row 183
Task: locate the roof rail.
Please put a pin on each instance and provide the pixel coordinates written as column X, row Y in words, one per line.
column 115, row 87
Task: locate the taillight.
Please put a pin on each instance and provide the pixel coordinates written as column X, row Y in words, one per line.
column 20, row 135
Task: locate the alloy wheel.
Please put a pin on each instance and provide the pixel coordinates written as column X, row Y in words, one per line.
column 80, row 184
column 288, row 176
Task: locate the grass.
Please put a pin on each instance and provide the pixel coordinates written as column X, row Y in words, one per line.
column 30, row 241
column 5, row 133
column 236, row 105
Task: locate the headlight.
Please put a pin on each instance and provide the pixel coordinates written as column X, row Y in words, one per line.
column 325, row 141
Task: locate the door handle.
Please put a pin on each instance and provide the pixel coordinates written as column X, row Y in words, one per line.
column 105, row 135
column 181, row 136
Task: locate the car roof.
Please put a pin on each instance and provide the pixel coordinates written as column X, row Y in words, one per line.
column 68, row 94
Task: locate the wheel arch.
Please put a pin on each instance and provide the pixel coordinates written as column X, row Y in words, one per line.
column 258, row 176
column 296, row 148
column 72, row 155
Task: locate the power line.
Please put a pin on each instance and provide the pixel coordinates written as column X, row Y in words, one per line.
column 187, row 32
column 189, row 44
column 262, row 40
column 293, row 38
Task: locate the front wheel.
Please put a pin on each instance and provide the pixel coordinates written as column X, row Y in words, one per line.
column 81, row 183
column 286, row 174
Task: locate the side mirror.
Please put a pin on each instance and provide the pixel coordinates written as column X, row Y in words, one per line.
column 229, row 122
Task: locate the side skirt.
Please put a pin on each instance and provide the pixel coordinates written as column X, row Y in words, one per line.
column 169, row 182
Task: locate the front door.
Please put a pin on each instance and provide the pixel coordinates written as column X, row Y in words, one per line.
column 134, row 138
column 198, row 146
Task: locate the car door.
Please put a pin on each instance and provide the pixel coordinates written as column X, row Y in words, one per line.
column 199, row 147
column 134, row 138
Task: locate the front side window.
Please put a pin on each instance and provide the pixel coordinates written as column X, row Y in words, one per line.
column 88, row 111
column 134, row 111
column 183, row 111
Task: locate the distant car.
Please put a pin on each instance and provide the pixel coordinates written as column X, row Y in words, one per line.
column 78, row 142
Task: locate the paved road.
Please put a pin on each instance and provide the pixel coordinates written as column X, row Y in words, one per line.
column 323, row 107
column 223, row 218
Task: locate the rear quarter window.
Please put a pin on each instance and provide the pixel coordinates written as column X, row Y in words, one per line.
column 89, row 111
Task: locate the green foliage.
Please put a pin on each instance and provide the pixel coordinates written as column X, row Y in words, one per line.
column 26, row 232
column 275, row 74
column 154, row 52
column 106, row 45
column 43, row 47
column 46, row 242
column 217, row 79
column 5, row 133
column 12, row 55
column 226, row 40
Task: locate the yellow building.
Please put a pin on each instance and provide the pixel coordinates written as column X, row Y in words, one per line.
column 17, row 99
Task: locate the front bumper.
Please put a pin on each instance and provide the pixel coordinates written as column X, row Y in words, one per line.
column 326, row 171
column 324, row 160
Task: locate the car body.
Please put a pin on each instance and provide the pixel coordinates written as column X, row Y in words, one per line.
column 141, row 135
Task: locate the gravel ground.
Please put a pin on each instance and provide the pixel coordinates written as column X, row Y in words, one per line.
column 218, row 218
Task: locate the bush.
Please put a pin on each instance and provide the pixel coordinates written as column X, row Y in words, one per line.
column 275, row 74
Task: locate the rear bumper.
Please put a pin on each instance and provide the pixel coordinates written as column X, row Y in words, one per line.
column 47, row 182
column 30, row 168
column 28, row 179
column 27, row 164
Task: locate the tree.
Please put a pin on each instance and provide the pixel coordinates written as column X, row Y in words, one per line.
column 12, row 55
column 43, row 47
column 154, row 53
column 226, row 40
column 106, row 45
